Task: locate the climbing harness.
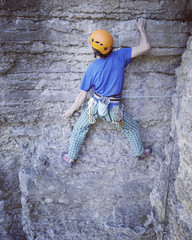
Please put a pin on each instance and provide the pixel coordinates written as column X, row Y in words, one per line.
column 107, row 105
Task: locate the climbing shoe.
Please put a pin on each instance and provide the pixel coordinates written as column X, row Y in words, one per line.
column 67, row 160
column 147, row 152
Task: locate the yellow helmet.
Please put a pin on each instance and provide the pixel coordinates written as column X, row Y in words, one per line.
column 102, row 41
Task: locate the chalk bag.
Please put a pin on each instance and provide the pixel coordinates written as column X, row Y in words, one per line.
column 103, row 106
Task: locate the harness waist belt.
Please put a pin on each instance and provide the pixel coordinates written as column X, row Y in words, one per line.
column 112, row 99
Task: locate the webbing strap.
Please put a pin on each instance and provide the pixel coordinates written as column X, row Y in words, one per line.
column 112, row 99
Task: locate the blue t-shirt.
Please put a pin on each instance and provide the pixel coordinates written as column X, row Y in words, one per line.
column 106, row 76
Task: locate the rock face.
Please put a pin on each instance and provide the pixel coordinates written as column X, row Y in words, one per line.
column 180, row 213
column 108, row 195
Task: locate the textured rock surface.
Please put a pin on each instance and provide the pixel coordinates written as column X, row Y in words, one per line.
column 108, row 194
column 181, row 206
column 173, row 210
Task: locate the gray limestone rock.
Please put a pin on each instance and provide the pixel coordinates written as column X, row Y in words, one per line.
column 108, row 194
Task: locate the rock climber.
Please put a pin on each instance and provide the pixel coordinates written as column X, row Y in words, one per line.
column 105, row 76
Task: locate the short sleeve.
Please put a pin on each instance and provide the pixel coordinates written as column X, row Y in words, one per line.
column 125, row 55
column 86, row 83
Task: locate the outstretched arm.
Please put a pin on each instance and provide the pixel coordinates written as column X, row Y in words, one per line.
column 78, row 102
column 144, row 45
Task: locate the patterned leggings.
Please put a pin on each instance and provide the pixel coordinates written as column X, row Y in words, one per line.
column 130, row 129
